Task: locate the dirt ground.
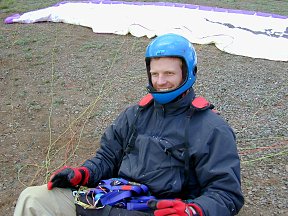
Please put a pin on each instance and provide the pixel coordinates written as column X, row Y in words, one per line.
column 61, row 85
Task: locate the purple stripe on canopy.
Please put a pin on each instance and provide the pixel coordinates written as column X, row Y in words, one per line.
column 9, row 20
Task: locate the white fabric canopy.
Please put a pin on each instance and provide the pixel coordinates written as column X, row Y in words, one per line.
column 246, row 33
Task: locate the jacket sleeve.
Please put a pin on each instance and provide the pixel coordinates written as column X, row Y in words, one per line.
column 106, row 161
column 218, row 171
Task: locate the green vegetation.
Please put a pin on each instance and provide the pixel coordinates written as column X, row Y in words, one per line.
column 5, row 4
column 91, row 45
column 13, row 6
column 33, row 105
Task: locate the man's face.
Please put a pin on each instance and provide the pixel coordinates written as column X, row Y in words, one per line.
column 166, row 73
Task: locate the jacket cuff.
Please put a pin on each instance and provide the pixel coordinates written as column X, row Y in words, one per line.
column 197, row 208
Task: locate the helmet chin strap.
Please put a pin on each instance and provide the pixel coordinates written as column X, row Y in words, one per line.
column 150, row 88
column 186, row 92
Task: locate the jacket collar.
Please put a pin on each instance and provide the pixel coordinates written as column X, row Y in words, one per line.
column 176, row 107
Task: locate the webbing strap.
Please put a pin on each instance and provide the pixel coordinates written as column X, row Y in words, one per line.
column 200, row 103
column 197, row 105
column 143, row 103
column 132, row 135
column 146, row 100
column 123, row 193
column 117, row 184
column 139, row 203
column 113, row 197
column 186, row 152
column 116, row 192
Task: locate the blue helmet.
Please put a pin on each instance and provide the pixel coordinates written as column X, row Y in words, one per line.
column 172, row 45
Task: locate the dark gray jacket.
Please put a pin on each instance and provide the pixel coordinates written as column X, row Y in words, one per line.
column 214, row 176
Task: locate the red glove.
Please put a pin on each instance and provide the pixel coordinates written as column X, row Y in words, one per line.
column 175, row 208
column 68, row 177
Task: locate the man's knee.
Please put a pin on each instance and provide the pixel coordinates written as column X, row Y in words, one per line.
column 45, row 202
column 28, row 199
column 34, row 193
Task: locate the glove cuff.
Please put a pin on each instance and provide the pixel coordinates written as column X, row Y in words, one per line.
column 85, row 175
column 81, row 176
column 196, row 208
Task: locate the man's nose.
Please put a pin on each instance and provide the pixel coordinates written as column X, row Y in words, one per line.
column 161, row 80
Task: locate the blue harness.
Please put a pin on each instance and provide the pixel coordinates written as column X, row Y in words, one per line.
column 116, row 192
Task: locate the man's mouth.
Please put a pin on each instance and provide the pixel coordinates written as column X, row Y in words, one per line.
column 162, row 90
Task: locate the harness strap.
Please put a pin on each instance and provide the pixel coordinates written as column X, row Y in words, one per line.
column 201, row 104
column 198, row 104
column 137, row 203
column 116, row 192
column 132, row 133
column 186, row 154
column 120, row 184
column 143, row 103
column 146, row 100
column 113, row 197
